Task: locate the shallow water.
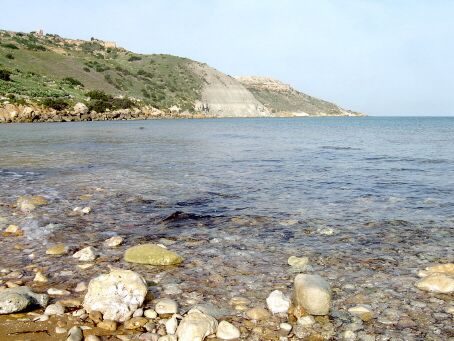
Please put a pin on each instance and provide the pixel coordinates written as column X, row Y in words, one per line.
column 369, row 200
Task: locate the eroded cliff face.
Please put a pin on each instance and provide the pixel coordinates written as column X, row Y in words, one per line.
column 224, row 96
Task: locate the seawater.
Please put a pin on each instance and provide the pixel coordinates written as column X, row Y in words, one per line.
column 369, row 200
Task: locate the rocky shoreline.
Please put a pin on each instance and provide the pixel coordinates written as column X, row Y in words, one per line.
column 119, row 300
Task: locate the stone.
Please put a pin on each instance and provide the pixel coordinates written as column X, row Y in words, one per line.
column 166, row 306
column 138, row 313
column 306, row 321
column 116, row 295
column 58, row 249
column 437, row 282
column 168, row 338
column 92, row 338
column 39, row 277
column 108, row 325
column 95, row 316
column 81, row 286
column 364, row 312
column 16, row 299
column 58, row 292
column 60, row 330
column 151, row 314
column 113, row 241
column 80, row 109
column 240, row 301
column 196, row 326
column 152, row 254
column 54, row 309
column 277, row 302
column 227, row 331
column 13, row 230
column 171, row 325
column 286, row 327
column 81, row 210
column 135, row 323
column 447, row 269
column 86, row 254
column 75, row 334
column 312, row 293
column 27, row 203
column 298, row 261
column 258, row 313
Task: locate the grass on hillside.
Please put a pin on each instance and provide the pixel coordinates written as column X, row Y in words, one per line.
column 49, row 66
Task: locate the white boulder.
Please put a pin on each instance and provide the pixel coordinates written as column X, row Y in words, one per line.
column 312, row 293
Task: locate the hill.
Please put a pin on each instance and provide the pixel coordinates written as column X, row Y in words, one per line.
column 42, row 77
column 282, row 99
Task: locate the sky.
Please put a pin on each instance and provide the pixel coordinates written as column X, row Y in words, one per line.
column 379, row 57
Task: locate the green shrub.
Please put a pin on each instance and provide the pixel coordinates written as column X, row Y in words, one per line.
column 86, row 69
column 134, row 58
column 9, row 56
column 100, row 101
column 5, row 75
column 56, row 103
column 72, row 81
column 10, row 46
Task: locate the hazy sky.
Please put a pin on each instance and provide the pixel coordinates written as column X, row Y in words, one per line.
column 381, row 57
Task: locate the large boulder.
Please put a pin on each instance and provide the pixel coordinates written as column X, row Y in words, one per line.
column 17, row 299
column 80, row 109
column 152, row 254
column 196, row 326
column 312, row 293
column 116, row 295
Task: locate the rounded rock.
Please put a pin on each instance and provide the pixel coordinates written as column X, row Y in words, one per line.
column 227, row 331
column 166, row 306
column 312, row 293
column 277, row 302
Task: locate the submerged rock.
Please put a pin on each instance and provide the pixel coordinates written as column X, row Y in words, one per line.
column 27, row 203
column 312, row 293
column 116, row 295
column 152, row 254
column 58, row 249
column 298, row 261
column 86, row 254
column 437, row 282
column 113, row 241
column 196, row 326
column 258, row 313
column 277, row 302
column 447, row 269
column 19, row 298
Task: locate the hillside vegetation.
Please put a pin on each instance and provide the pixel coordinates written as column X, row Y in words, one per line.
column 49, row 66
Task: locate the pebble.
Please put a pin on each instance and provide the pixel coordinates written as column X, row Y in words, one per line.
column 298, row 261
column 92, row 338
column 287, row 327
column 240, row 301
column 113, row 241
column 306, row 321
column 108, row 325
column 58, row 249
column 227, row 331
column 362, row 311
column 86, row 254
column 13, row 230
column 75, row 334
column 40, row 277
column 81, row 210
column 41, row 318
column 151, row 314
column 78, row 312
column 138, row 313
column 54, row 309
column 81, row 286
column 196, row 326
column 313, row 294
column 60, row 330
column 166, row 306
column 85, row 266
column 258, row 313
column 438, row 283
column 171, row 325
column 135, row 323
column 277, row 302
column 57, row 292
